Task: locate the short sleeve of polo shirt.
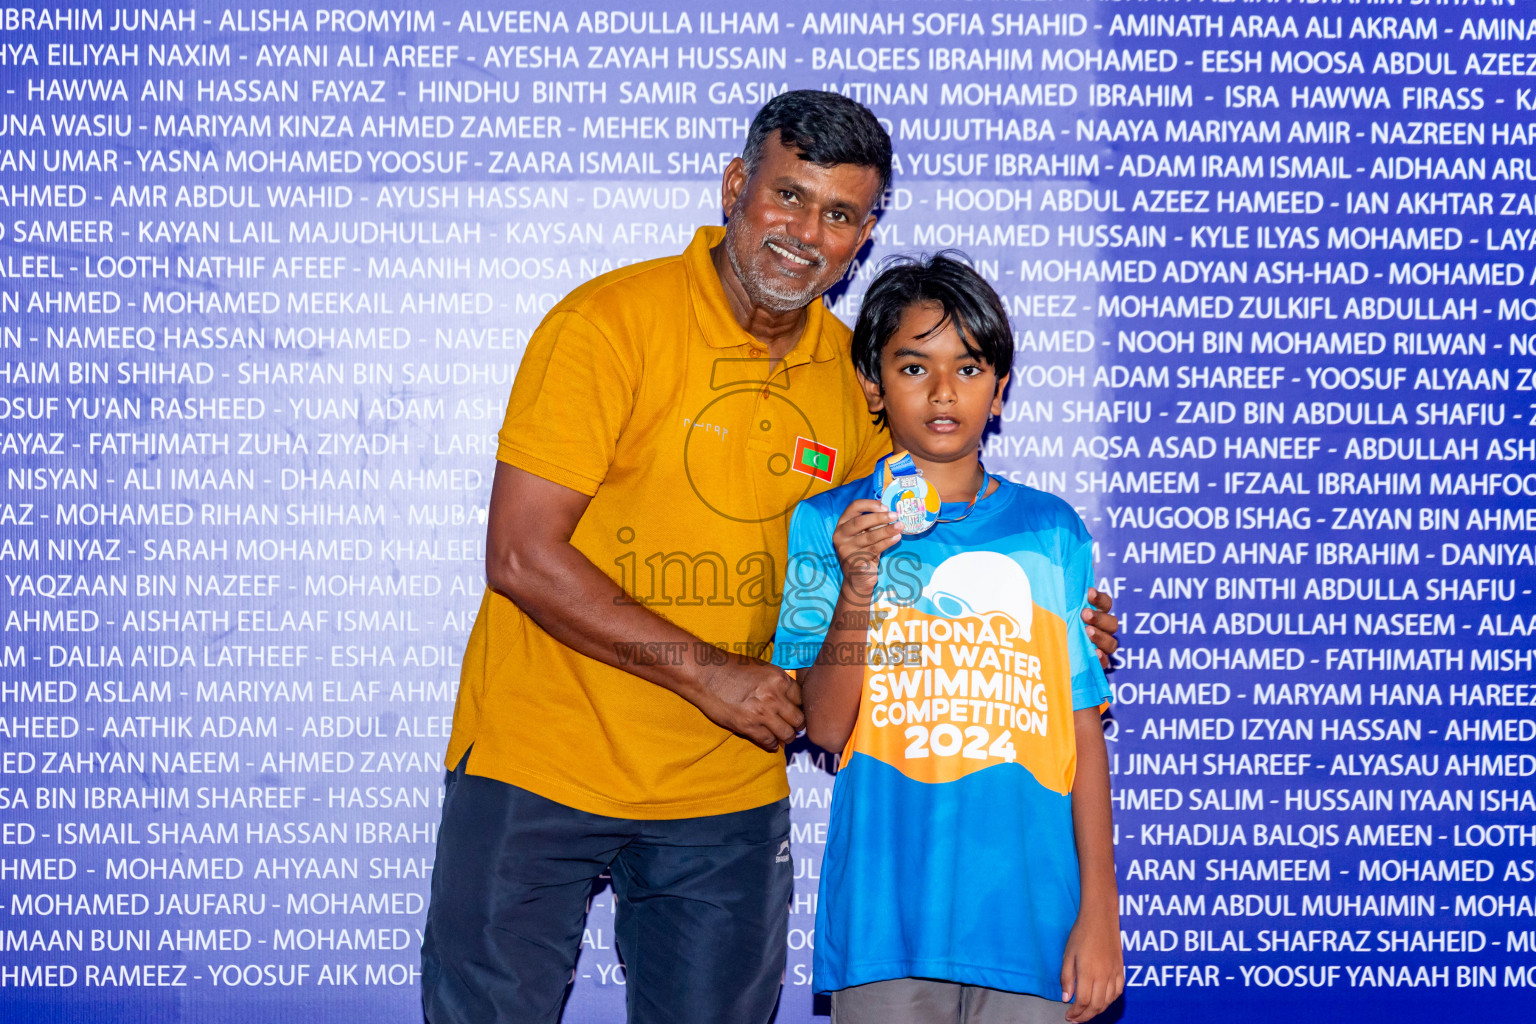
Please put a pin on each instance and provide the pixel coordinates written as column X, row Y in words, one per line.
column 1090, row 687
column 812, row 580
column 574, row 392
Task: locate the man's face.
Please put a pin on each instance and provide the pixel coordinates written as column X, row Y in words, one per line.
column 795, row 226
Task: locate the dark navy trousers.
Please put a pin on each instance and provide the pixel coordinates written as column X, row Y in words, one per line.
column 702, row 907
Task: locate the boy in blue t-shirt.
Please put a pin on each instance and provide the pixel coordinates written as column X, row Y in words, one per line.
column 968, row 876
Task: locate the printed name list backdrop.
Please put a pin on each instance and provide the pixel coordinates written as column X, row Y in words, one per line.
column 267, row 273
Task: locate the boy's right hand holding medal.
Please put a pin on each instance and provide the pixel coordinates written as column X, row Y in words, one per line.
column 832, row 686
column 863, row 533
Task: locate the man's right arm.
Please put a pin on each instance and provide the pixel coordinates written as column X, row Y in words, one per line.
column 530, row 560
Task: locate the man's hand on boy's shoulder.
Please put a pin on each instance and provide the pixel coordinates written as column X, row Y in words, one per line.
column 1092, row 969
column 1101, row 625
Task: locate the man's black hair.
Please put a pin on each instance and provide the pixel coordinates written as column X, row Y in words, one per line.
column 967, row 301
column 825, row 127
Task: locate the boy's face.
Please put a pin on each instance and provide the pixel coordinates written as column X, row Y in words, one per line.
column 936, row 396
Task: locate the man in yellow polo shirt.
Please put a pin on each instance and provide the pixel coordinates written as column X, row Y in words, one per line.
column 614, row 712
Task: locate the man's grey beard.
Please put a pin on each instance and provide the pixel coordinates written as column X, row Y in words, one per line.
column 762, row 294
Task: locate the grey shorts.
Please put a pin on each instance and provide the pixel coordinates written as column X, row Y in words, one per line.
column 922, row 1001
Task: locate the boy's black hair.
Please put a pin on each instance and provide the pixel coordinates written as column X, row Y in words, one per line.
column 967, row 301
column 825, row 127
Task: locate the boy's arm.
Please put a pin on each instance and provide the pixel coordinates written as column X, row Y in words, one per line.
column 1093, row 969
column 831, row 688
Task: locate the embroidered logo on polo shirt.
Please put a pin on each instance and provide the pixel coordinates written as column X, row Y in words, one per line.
column 812, row 459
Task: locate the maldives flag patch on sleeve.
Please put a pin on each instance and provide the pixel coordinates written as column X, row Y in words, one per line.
column 812, row 459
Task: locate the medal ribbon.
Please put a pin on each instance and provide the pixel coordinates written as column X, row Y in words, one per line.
column 892, row 466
